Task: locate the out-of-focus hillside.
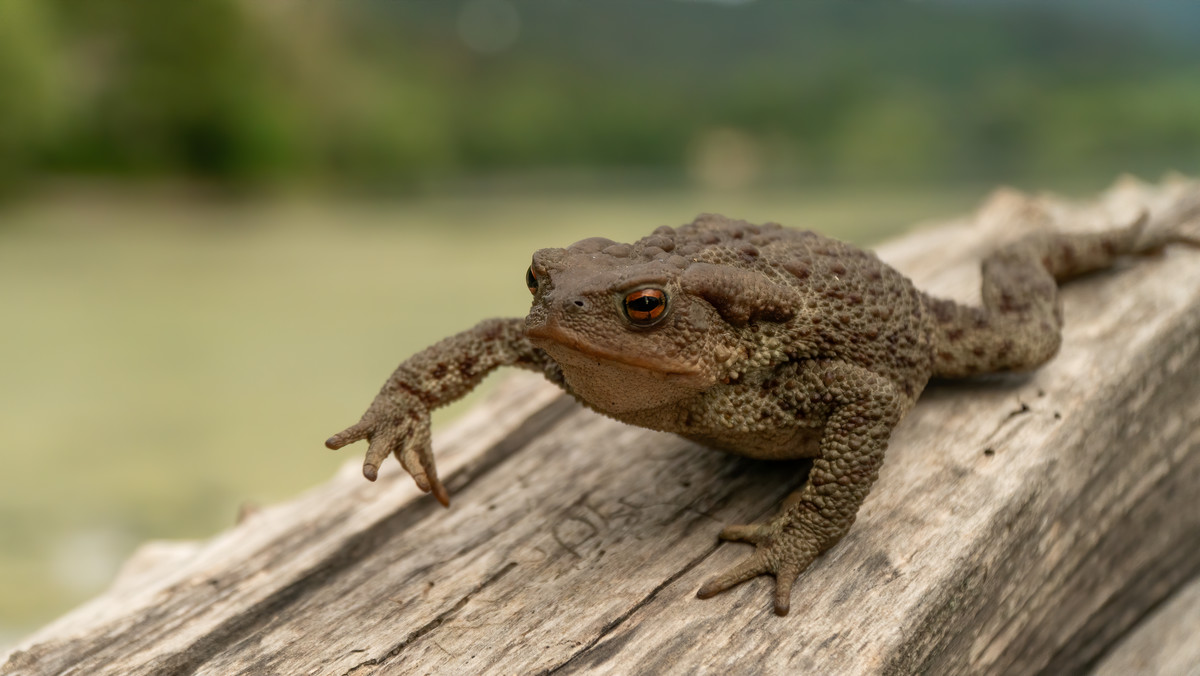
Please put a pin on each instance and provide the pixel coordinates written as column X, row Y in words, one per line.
column 379, row 93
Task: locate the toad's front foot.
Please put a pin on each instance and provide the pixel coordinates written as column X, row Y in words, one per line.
column 396, row 423
column 779, row 551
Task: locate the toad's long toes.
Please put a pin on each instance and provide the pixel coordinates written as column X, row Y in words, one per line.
column 439, row 491
column 748, row 569
column 356, row 432
column 784, row 579
column 377, row 452
column 753, row 534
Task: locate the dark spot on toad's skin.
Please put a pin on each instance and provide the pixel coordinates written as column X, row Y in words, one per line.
column 465, row 368
column 1006, row 348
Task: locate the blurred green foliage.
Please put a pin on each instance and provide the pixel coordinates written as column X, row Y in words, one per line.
column 394, row 93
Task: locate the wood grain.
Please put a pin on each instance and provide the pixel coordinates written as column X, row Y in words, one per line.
column 1021, row 524
column 1163, row 644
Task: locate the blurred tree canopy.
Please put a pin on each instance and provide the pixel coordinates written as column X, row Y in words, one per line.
column 394, row 93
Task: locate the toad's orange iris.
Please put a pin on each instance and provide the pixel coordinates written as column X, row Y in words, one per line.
column 645, row 306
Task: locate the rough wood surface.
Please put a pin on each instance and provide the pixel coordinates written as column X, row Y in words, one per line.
column 1166, row 643
column 1020, row 524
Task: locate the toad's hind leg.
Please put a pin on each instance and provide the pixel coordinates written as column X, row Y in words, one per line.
column 1019, row 326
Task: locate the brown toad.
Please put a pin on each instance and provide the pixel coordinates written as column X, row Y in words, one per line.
column 760, row 340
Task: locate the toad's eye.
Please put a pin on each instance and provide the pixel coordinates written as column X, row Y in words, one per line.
column 531, row 280
column 645, row 306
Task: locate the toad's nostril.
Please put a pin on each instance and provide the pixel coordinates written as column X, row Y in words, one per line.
column 574, row 305
column 578, row 303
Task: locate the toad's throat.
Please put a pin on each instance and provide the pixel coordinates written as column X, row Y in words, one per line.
column 553, row 334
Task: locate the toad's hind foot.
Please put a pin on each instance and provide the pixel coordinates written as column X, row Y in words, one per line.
column 777, row 552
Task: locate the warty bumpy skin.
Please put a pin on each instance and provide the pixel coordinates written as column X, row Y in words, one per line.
column 757, row 339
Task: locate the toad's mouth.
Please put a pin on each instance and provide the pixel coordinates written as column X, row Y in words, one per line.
column 553, row 335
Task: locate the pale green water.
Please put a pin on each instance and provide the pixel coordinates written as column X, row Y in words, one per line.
column 166, row 361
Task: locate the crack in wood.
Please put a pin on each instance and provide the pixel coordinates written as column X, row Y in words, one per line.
column 1157, row 652
column 616, row 623
column 1024, row 409
column 436, row 622
column 1157, row 579
column 991, row 437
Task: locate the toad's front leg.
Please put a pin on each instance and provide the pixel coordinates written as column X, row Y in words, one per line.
column 863, row 409
column 398, row 420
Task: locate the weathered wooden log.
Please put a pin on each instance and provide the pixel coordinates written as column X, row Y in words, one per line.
column 1021, row 524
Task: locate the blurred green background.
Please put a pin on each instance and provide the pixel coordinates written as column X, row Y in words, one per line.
column 223, row 222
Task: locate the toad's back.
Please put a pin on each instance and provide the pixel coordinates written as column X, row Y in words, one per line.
column 848, row 304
